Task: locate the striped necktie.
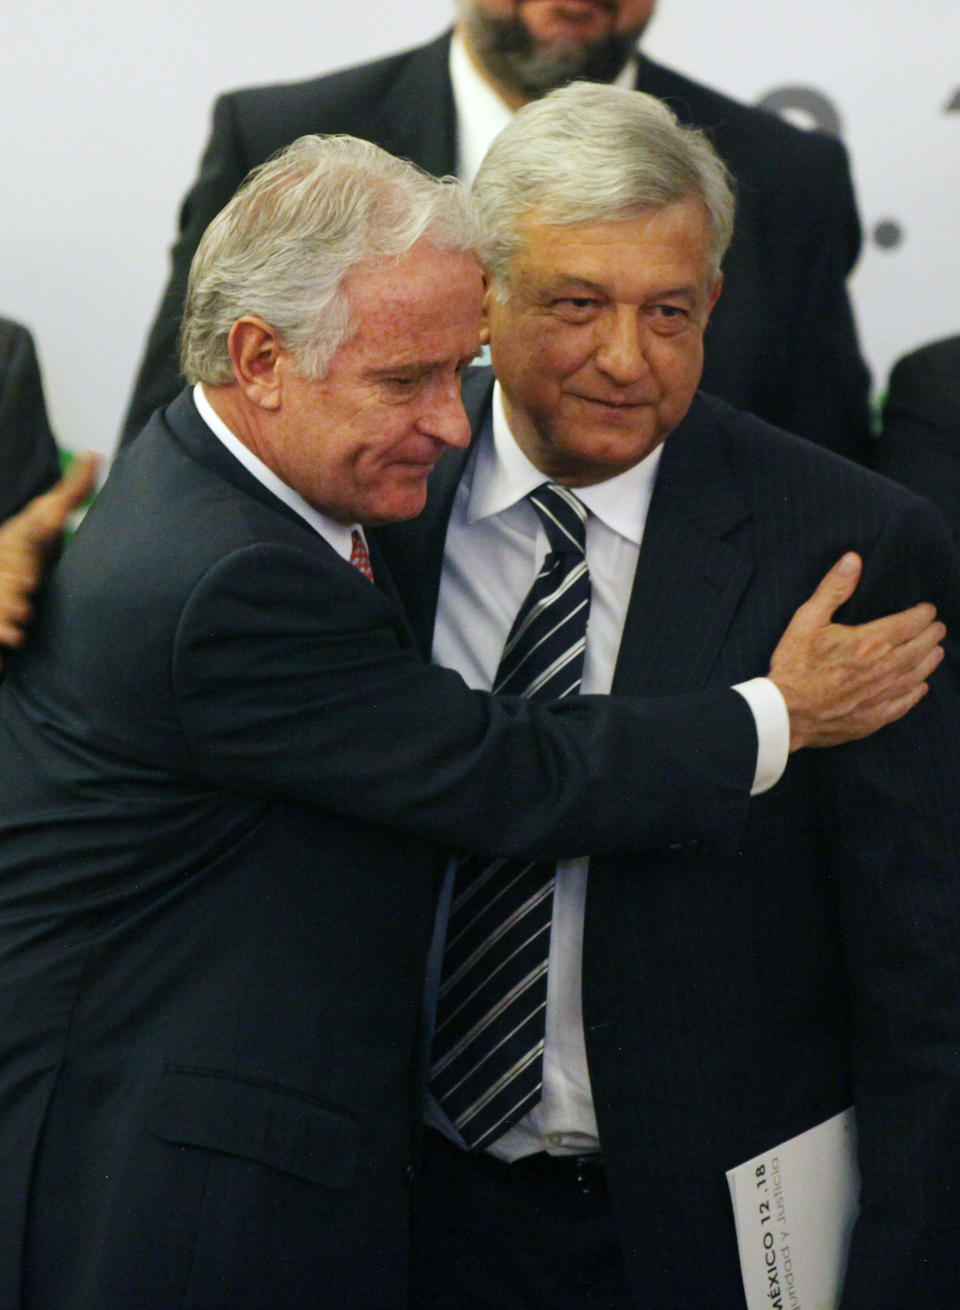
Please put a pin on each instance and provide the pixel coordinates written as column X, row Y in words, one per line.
column 487, row 1061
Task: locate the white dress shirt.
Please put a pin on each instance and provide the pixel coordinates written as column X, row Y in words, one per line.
column 494, row 547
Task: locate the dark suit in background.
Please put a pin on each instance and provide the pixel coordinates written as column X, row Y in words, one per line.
column 224, row 772
column 781, row 340
column 920, row 444
column 29, row 462
column 736, row 994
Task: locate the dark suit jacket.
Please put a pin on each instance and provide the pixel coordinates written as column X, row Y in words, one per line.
column 29, row 463
column 735, row 997
column 920, row 445
column 781, row 341
column 224, row 774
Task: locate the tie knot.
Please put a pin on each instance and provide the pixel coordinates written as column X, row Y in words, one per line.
column 564, row 518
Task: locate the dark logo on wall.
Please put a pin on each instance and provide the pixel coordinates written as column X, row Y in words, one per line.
column 807, row 107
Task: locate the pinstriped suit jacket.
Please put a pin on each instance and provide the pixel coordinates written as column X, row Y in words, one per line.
column 735, row 995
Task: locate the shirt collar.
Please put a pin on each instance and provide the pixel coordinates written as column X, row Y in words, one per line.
column 481, row 114
column 503, row 475
column 338, row 535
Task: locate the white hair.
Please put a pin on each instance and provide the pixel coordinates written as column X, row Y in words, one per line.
column 588, row 154
column 321, row 209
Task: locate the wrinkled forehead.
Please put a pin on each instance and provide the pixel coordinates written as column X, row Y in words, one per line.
column 541, row 240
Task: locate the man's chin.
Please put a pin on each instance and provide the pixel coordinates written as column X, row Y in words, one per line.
column 400, row 503
column 528, row 67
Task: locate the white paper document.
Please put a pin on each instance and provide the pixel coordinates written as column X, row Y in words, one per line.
column 794, row 1208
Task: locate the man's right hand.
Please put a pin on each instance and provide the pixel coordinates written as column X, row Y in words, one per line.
column 841, row 682
column 27, row 542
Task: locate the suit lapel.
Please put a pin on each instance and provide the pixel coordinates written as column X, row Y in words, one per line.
column 186, row 425
column 692, row 569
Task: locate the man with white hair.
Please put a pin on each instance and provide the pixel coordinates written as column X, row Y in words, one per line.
column 782, row 343
column 682, row 1010
column 225, row 773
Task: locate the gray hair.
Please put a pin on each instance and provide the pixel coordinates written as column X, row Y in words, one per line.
column 589, row 154
column 321, row 209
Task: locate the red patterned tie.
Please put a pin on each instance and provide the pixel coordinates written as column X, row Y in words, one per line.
column 359, row 555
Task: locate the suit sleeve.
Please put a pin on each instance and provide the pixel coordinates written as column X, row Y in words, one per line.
column 29, row 461
column 316, row 694
column 894, row 798
column 222, row 169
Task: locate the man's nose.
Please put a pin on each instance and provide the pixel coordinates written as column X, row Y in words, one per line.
column 620, row 353
column 443, row 416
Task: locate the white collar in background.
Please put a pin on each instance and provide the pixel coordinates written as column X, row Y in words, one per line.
column 480, row 113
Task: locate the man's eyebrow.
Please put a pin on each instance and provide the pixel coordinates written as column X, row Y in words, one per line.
column 688, row 292
column 409, row 368
column 416, row 369
column 566, row 281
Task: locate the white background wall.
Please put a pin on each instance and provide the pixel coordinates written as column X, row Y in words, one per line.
column 107, row 110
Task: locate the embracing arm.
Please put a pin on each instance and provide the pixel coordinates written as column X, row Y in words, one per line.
column 293, row 679
column 290, row 676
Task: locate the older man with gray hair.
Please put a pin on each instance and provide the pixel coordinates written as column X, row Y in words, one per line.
column 615, row 1038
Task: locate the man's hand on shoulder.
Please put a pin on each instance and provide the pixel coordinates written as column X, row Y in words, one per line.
column 841, row 682
column 27, row 542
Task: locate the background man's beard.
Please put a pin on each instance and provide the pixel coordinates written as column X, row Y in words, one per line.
column 511, row 55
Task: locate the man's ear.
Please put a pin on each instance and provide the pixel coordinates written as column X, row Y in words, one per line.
column 255, row 351
column 715, row 294
column 485, row 315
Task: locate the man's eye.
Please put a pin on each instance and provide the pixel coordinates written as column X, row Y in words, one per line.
column 576, row 307
column 669, row 318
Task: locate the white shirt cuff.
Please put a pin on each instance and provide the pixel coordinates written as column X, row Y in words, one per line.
column 770, row 715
